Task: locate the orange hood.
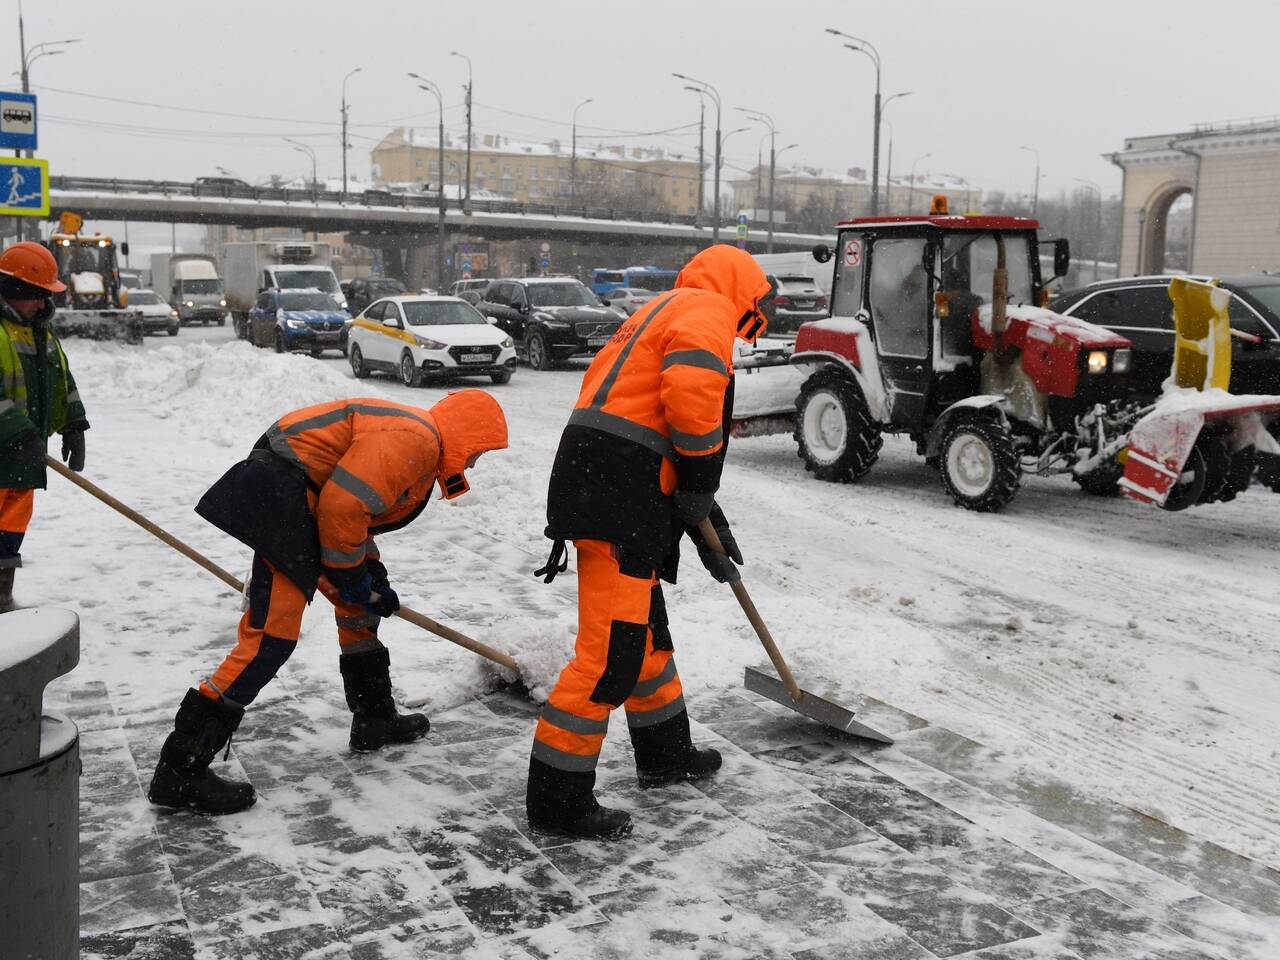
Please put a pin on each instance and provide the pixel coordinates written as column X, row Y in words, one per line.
column 730, row 272
column 470, row 423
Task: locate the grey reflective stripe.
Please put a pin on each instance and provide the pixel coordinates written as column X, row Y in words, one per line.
column 280, row 446
column 349, row 482
column 607, row 384
column 572, row 762
column 73, row 396
column 341, row 413
column 7, row 405
column 651, row 718
column 621, row 427
column 572, row 722
column 28, row 348
column 697, row 441
column 704, row 359
column 369, row 620
column 344, row 558
column 647, row 688
column 371, row 549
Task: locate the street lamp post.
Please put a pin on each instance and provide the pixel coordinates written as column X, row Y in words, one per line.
column 303, row 148
column 345, row 145
column 715, row 200
column 912, row 198
column 573, row 155
column 431, row 88
column 466, row 200
column 762, row 117
column 888, row 174
column 702, row 165
column 862, row 46
column 1035, row 189
column 789, row 146
column 1097, row 229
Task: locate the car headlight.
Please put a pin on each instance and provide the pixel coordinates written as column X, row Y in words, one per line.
column 296, row 324
column 1097, row 361
column 190, row 303
column 428, row 344
column 173, row 313
column 1121, row 359
column 508, row 343
column 222, row 303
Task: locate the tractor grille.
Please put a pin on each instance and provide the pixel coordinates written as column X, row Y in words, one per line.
column 489, row 352
column 596, row 328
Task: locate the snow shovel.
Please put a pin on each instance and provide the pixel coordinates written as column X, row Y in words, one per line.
column 787, row 692
column 404, row 613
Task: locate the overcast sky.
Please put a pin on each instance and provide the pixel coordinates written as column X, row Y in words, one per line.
column 1069, row 79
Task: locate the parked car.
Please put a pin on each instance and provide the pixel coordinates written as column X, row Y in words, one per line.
column 363, row 291
column 1139, row 308
column 798, row 301
column 297, row 319
column 129, row 280
column 459, row 287
column 156, row 313
column 550, row 318
column 420, row 337
column 627, row 299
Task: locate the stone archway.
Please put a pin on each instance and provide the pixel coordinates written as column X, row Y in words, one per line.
column 1154, row 222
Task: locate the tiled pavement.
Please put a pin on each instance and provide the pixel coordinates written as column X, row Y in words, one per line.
column 807, row 846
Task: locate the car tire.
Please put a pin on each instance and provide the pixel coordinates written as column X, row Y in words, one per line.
column 979, row 463
column 173, row 331
column 501, row 376
column 535, row 348
column 836, row 436
column 410, row 373
column 222, row 321
column 316, row 353
column 358, row 367
column 280, row 346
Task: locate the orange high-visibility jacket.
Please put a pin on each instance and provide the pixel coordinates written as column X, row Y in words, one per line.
column 653, row 412
column 374, row 461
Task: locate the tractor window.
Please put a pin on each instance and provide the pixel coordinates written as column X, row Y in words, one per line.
column 900, row 297
column 846, row 295
column 969, row 263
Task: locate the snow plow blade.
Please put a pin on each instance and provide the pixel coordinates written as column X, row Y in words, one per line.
column 122, row 325
column 811, row 705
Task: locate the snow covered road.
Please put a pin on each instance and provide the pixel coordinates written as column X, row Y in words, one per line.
column 1129, row 651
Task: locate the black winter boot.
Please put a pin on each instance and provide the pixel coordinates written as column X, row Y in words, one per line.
column 665, row 754
column 183, row 778
column 602, row 823
column 374, row 721
column 563, row 803
column 6, row 589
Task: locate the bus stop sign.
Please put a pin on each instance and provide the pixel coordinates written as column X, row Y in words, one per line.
column 17, row 121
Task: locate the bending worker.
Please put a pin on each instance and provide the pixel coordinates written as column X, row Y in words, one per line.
column 637, row 468
column 38, row 397
column 317, row 487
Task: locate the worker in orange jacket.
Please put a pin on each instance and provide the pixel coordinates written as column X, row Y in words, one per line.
column 637, row 468
column 311, row 496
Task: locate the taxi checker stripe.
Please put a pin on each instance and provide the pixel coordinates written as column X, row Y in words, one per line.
column 697, row 441
column 572, row 722
column 611, row 377
column 621, row 427
column 651, row 718
column 695, row 358
column 647, row 688
column 563, row 760
column 349, row 482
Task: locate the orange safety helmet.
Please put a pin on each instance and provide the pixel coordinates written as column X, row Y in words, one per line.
column 33, row 265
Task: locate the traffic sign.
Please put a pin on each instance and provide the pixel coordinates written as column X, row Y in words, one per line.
column 18, row 121
column 24, row 187
column 466, row 265
column 742, row 220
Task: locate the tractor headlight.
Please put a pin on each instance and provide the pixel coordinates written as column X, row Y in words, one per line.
column 1097, row 361
column 428, row 344
column 222, row 303
column 1121, row 359
column 190, row 303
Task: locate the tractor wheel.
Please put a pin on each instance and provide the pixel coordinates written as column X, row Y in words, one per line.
column 1103, row 480
column 979, row 463
column 837, row 437
column 1190, row 485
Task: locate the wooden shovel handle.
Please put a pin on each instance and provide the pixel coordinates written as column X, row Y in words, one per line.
column 404, row 613
column 749, row 608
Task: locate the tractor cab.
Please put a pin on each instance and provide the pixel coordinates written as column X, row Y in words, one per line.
column 87, row 264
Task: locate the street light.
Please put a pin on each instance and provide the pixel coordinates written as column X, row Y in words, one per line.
column 1035, row 190
column 1097, row 230
column 888, row 168
column 790, row 146
column 344, row 128
column 715, row 201
column 862, row 46
column 431, row 88
column 303, row 148
column 573, row 155
column 761, row 117
column 466, row 199
column 912, row 198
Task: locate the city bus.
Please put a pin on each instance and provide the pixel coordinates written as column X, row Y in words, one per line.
column 604, row 279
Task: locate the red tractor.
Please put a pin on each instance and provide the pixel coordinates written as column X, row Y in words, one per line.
column 936, row 332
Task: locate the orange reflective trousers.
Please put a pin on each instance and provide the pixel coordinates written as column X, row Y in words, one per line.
column 269, row 629
column 616, row 663
column 15, row 516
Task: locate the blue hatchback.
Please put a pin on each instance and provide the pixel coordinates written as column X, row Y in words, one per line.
column 304, row 320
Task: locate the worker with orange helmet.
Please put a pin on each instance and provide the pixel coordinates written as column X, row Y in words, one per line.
column 310, row 498
column 38, row 396
column 638, row 468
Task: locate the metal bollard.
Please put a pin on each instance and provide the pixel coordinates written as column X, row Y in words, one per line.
column 39, row 790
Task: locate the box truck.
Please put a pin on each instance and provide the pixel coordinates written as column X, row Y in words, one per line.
column 190, row 282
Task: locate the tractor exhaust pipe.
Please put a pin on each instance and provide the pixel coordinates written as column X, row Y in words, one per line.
column 999, row 296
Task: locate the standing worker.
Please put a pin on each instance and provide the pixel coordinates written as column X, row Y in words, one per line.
column 638, row 467
column 315, row 489
column 38, row 396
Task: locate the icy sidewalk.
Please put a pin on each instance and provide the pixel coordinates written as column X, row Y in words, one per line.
column 806, row 846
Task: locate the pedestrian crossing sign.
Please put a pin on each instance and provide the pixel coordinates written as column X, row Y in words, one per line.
column 24, row 187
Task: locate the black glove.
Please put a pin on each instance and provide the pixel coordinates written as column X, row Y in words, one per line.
column 691, row 507
column 721, row 566
column 376, row 597
column 73, row 448
column 30, row 452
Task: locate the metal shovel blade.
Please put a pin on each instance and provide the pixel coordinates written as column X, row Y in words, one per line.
column 812, row 706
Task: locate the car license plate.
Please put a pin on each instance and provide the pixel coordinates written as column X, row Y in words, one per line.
column 475, row 358
column 804, row 303
column 597, row 341
column 327, row 336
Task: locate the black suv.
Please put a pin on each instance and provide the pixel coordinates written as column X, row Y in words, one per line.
column 1139, row 308
column 365, row 290
column 550, row 318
